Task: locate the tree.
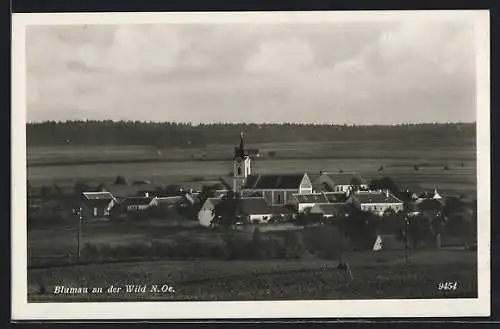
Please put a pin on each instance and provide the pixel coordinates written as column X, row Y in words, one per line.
column 207, row 191
column 385, row 183
column 361, row 227
column 355, row 183
column 227, row 212
column 294, row 245
column 453, row 205
column 418, row 230
column 437, row 228
column 120, row 180
column 172, row 190
column 257, row 243
column 332, row 243
column 81, row 187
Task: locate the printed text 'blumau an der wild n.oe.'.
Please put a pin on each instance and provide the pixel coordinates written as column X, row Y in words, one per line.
column 128, row 288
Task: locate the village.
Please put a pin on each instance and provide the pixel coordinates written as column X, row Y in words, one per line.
column 265, row 200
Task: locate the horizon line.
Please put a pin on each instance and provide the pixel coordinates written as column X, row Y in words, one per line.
column 190, row 123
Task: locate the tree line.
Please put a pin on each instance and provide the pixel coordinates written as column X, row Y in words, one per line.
column 185, row 135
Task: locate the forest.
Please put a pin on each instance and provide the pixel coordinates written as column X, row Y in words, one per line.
column 185, row 135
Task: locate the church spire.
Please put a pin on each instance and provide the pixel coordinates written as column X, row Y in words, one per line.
column 242, row 146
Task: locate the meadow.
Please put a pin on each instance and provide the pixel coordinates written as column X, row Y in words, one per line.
column 380, row 275
column 66, row 165
column 376, row 275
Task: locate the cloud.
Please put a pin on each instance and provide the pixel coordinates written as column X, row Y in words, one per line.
column 366, row 73
column 279, row 55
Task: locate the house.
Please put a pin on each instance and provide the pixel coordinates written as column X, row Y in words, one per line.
column 97, row 204
column 336, row 197
column 277, row 189
column 205, row 215
column 188, row 199
column 253, row 209
column 256, row 209
column 418, row 197
column 377, row 202
column 320, row 184
column 430, row 207
column 330, row 210
column 139, row 203
column 136, row 189
column 306, row 201
column 341, row 181
column 169, row 201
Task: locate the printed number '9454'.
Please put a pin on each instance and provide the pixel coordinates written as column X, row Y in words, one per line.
column 447, row 286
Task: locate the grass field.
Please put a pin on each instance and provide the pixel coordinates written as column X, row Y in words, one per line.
column 377, row 276
column 182, row 165
column 383, row 274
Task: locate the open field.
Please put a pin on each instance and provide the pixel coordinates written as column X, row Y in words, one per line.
column 268, row 280
column 382, row 274
column 184, row 165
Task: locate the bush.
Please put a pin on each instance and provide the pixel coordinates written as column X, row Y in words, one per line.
column 294, row 245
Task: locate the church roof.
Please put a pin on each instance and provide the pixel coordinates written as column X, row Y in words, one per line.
column 273, row 181
column 311, row 198
column 335, row 197
column 344, row 178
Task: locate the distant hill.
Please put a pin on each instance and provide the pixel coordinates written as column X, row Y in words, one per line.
column 165, row 135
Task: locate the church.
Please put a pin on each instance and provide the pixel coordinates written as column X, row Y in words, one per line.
column 277, row 189
column 266, row 195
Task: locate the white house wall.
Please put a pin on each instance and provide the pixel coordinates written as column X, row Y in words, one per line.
column 205, row 217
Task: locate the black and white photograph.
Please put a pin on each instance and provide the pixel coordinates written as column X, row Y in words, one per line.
column 264, row 165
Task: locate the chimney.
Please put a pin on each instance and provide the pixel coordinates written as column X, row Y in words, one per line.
column 147, row 194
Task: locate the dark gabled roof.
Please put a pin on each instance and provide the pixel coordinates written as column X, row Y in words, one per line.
column 97, row 196
column 169, row 200
column 123, row 191
column 311, row 198
column 335, row 197
column 344, row 178
column 313, row 177
column 96, row 202
column 280, row 210
column 322, row 187
column 334, row 208
column 137, row 201
column 227, row 182
column 254, row 206
column 376, row 197
column 273, row 181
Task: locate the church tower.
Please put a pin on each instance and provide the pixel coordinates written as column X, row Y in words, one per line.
column 241, row 165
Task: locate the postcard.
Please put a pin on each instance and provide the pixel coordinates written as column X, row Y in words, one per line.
column 250, row 165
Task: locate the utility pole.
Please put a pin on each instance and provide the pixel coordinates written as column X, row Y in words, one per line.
column 406, row 240
column 79, row 213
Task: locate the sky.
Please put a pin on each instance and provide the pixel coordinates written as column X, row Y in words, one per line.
column 341, row 73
